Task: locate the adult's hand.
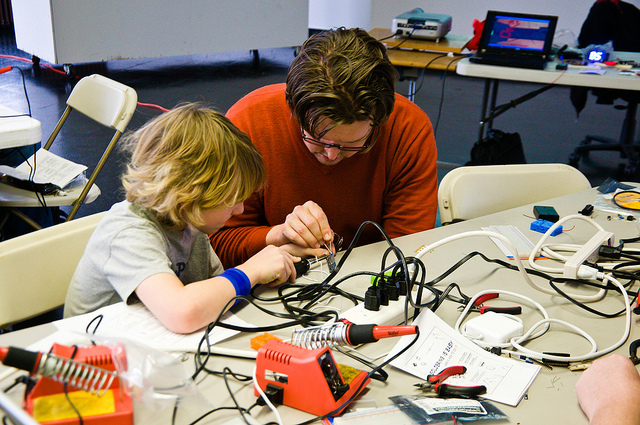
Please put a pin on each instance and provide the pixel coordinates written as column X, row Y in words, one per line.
column 307, row 227
column 609, row 391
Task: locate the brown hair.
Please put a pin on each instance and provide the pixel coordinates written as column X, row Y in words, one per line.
column 343, row 75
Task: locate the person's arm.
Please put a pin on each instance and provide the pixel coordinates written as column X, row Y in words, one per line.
column 411, row 201
column 187, row 308
column 609, row 391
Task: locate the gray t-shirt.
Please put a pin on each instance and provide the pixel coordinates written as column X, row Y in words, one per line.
column 128, row 246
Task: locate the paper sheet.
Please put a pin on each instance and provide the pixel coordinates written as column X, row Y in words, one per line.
column 440, row 346
column 137, row 323
column 51, row 168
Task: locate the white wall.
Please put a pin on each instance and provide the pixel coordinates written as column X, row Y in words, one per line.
column 379, row 13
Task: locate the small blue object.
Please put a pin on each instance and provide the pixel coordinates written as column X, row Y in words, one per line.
column 543, row 225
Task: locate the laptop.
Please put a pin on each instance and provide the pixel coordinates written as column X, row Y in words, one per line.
column 516, row 39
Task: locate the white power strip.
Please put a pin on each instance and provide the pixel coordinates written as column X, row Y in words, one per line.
column 588, row 253
column 388, row 315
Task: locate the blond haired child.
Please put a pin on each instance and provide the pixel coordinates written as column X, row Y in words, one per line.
column 190, row 171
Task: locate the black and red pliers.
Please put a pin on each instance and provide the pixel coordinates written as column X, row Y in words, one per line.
column 435, row 382
column 477, row 305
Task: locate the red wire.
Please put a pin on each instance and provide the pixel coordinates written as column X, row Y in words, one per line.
column 152, row 106
column 144, row 105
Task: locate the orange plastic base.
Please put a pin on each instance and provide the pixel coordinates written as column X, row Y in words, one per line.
column 308, row 378
column 99, row 356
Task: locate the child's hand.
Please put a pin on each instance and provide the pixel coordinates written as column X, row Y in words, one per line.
column 272, row 266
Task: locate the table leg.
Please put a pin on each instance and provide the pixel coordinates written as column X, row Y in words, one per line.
column 412, row 89
column 488, row 102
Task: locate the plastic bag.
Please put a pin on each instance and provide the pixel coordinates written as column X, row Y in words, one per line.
column 433, row 410
column 152, row 377
column 604, row 202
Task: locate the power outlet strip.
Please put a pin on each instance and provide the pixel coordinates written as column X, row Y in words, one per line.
column 588, row 253
column 388, row 315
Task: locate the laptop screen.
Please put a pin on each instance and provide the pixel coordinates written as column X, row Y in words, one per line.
column 518, row 33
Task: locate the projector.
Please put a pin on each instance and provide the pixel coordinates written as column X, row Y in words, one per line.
column 422, row 25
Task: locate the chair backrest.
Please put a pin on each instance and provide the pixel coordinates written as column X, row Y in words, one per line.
column 468, row 192
column 104, row 100
column 107, row 102
column 37, row 268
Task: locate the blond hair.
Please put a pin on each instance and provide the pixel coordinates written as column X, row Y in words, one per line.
column 187, row 160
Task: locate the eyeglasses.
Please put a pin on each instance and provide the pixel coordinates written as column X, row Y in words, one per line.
column 370, row 140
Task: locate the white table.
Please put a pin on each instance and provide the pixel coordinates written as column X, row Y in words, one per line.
column 551, row 399
column 18, row 130
column 573, row 76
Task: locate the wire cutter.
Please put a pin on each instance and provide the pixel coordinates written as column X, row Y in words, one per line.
column 435, row 382
column 477, row 305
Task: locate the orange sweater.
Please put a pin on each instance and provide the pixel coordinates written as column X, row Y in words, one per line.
column 394, row 184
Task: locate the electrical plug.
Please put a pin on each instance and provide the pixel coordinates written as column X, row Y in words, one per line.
column 589, row 273
column 613, row 252
column 371, row 299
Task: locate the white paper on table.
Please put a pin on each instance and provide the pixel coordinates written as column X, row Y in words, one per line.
column 440, row 346
column 51, row 168
column 137, row 323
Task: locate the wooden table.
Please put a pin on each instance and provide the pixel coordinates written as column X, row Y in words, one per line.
column 413, row 55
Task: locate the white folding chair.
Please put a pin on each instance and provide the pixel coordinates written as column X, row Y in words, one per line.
column 474, row 191
column 105, row 101
column 37, row 268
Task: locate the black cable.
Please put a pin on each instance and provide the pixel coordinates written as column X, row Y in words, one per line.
column 578, row 303
column 408, row 37
column 66, row 391
column 217, row 409
column 423, row 73
column 322, row 292
column 233, row 398
column 24, row 87
column 379, row 375
column 444, row 82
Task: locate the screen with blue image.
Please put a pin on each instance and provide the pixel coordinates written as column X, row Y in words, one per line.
column 519, row 33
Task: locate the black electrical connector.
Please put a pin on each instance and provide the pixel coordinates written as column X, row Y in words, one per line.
column 557, row 363
column 383, row 291
column 614, row 252
column 393, row 290
column 274, row 393
column 587, row 210
column 371, row 299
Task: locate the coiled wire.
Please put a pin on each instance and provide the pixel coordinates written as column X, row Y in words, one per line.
column 82, row 376
column 321, row 336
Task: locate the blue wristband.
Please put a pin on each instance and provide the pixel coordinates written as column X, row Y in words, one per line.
column 239, row 280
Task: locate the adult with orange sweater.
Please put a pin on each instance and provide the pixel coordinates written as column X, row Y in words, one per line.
column 340, row 148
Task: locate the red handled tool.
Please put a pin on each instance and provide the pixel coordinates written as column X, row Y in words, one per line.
column 477, row 305
column 504, row 310
column 435, row 382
